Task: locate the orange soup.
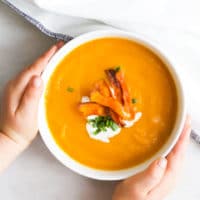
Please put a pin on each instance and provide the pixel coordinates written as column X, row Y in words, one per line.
column 150, row 83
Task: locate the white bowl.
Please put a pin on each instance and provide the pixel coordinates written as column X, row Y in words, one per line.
column 103, row 174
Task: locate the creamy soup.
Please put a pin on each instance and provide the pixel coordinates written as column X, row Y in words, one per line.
column 150, row 83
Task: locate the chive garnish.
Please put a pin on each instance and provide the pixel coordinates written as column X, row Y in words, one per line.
column 101, row 123
column 114, row 127
column 97, row 131
column 134, row 100
column 70, row 89
column 117, row 68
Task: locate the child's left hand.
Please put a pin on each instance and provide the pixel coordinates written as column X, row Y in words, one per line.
column 18, row 117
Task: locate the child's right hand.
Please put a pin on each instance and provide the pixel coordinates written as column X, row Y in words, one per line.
column 159, row 178
column 18, row 117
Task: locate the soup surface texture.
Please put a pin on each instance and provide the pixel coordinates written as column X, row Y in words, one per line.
column 150, row 83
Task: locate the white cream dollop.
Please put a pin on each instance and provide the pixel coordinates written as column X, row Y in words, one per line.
column 103, row 136
column 129, row 123
column 85, row 99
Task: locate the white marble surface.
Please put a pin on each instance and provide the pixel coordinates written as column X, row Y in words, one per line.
column 36, row 174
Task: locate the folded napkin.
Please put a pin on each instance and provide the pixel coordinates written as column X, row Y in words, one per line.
column 174, row 25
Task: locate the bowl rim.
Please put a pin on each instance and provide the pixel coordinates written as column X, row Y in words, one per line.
column 82, row 169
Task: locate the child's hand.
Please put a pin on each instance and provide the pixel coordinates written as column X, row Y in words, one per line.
column 18, row 117
column 155, row 182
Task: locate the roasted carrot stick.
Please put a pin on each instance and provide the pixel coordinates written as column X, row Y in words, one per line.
column 114, row 85
column 116, row 118
column 125, row 93
column 92, row 108
column 102, row 87
column 113, row 104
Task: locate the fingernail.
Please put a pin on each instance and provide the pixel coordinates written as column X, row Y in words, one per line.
column 60, row 44
column 162, row 162
column 37, row 82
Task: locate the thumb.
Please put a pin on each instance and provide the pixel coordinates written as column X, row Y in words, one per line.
column 151, row 177
column 30, row 99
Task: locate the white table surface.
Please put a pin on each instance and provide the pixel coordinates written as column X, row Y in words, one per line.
column 36, row 174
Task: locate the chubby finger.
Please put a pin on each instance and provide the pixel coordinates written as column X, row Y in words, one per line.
column 39, row 65
column 175, row 160
column 176, row 156
column 30, row 99
column 20, row 82
column 149, row 178
column 181, row 145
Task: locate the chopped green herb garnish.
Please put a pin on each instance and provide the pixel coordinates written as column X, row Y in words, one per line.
column 101, row 123
column 107, row 123
column 70, row 89
column 117, row 68
column 134, row 100
column 114, row 126
column 97, row 131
